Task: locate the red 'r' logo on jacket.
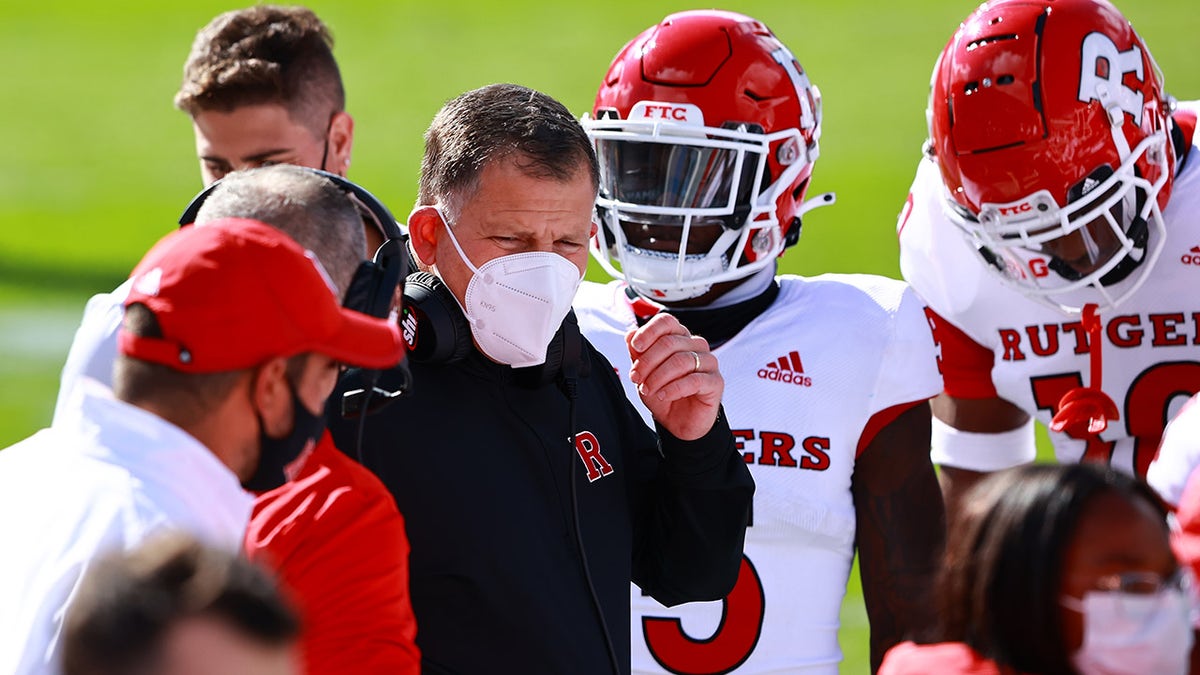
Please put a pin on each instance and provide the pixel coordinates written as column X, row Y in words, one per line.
column 588, row 447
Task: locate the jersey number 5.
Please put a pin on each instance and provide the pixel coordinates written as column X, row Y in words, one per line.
column 725, row 649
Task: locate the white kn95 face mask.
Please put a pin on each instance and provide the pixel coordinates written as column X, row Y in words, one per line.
column 516, row 303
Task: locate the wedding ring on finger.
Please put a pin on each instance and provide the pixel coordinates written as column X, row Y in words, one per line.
column 696, row 356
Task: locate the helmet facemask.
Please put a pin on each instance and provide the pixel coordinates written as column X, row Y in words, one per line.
column 680, row 206
column 1106, row 238
column 706, row 128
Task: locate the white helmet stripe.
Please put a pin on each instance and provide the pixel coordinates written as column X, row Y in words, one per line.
column 808, row 118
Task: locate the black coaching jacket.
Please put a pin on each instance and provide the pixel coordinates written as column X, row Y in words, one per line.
column 479, row 460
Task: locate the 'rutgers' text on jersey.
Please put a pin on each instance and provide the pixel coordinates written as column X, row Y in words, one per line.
column 802, row 383
column 1150, row 343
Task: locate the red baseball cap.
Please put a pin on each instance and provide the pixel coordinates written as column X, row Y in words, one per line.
column 234, row 293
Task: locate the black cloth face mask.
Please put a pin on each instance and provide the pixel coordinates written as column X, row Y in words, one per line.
column 277, row 453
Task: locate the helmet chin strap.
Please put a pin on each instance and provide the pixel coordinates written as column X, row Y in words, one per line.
column 792, row 234
column 1086, row 411
column 823, row 199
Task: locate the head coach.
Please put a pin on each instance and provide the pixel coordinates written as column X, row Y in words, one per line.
column 532, row 490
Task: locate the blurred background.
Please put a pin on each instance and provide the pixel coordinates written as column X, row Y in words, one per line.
column 96, row 164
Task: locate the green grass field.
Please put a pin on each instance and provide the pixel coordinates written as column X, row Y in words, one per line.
column 95, row 164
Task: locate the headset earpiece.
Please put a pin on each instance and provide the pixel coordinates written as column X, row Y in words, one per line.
column 434, row 328
column 373, row 287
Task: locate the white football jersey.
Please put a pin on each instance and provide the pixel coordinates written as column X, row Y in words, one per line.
column 1178, row 455
column 802, row 381
column 1150, row 345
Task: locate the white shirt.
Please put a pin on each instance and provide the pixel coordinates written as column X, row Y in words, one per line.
column 1150, row 343
column 106, row 477
column 802, row 381
column 94, row 349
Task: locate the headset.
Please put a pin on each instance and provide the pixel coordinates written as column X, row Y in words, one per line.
column 434, row 328
column 370, row 290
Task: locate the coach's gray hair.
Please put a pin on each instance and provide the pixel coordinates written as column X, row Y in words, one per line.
column 498, row 122
column 304, row 205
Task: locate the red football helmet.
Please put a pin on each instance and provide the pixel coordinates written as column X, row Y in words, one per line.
column 1050, row 125
column 706, row 129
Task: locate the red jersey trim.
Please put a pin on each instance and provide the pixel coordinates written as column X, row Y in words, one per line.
column 879, row 421
column 965, row 364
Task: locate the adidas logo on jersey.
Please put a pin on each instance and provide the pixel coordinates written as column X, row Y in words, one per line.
column 1192, row 257
column 786, row 369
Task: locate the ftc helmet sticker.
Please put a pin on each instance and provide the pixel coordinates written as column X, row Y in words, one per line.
column 657, row 111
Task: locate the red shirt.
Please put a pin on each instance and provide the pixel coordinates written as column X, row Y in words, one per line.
column 944, row 658
column 337, row 541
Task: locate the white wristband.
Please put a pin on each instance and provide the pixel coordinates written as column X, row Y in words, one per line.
column 982, row 451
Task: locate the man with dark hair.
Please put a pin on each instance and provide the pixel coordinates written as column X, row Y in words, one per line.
column 532, row 491
column 232, row 308
column 175, row 606
column 262, row 87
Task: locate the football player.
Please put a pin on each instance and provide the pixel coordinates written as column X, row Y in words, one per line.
column 1053, row 229
column 706, row 129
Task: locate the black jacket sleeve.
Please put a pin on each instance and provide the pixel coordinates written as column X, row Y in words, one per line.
column 690, row 517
